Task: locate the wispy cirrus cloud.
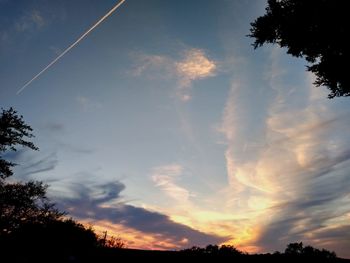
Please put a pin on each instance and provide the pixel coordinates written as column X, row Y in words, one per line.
column 54, row 127
column 165, row 177
column 30, row 21
column 26, row 23
column 29, row 166
column 87, row 104
column 287, row 164
column 152, row 65
column 193, row 64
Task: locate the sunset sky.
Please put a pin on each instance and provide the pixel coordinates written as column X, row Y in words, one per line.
column 165, row 127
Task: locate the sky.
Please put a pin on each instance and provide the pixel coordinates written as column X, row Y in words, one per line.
column 166, row 128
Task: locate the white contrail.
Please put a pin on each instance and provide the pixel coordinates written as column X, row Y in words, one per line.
column 73, row 45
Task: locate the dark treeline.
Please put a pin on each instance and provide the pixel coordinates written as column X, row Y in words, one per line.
column 294, row 252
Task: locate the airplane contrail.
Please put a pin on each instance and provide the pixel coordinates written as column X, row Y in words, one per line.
column 72, row 45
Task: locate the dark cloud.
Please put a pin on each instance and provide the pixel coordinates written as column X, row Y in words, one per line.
column 325, row 165
column 44, row 164
column 76, row 149
column 338, row 233
column 14, row 156
column 29, row 164
column 54, row 127
column 88, row 202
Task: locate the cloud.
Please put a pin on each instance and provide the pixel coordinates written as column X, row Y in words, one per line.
column 30, row 21
column 87, row 104
column 287, row 162
column 194, row 64
column 29, row 165
column 23, row 27
column 104, row 203
column 54, row 127
column 153, row 65
column 45, row 164
column 165, row 178
column 77, row 149
column 56, row 130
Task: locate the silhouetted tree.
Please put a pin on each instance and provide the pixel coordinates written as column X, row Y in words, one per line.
column 13, row 133
column 298, row 249
column 229, row 250
column 23, row 203
column 315, row 29
column 115, row 242
column 60, row 237
column 111, row 241
column 308, row 251
column 194, row 250
column 327, row 254
column 294, row 249
column 212, row 249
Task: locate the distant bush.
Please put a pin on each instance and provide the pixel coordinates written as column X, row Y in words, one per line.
column 298, row 249
column 224, row 250
column 111, row 242
column 292, row 250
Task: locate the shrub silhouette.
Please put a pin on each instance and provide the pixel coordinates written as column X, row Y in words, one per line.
column 294, row 249
column 62, row 238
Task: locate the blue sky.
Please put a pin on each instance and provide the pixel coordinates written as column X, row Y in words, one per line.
column 165, row 127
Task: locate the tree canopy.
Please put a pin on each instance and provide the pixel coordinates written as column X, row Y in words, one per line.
column 314, row 29
column 14, row 132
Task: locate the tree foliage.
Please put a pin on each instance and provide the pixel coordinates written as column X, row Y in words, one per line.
column 314, row 29
column 214, row 250
column 111, row 241
column 14, row 132
column 61, row 238
column 292, row 253
column 298, row 249
column 24, row 203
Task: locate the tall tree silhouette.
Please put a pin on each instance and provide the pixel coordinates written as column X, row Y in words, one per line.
column 14, row 132
column 20, row 203
column 315, row 29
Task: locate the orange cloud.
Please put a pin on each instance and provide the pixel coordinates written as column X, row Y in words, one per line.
column 194, row 65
